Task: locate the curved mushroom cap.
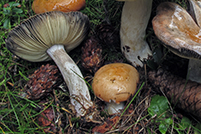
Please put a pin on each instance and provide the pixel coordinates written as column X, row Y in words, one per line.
column 41, row 6
column 31, row 39
column 116, row 82
column 174, row 26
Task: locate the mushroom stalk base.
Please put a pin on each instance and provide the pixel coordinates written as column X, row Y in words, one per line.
column 79, row 93
column 194, row 70
column 113, row 107
column 134, row 20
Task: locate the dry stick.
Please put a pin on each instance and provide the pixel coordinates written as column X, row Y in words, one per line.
column 171, row 110
column 58, row 120
column 184, row 94
column 128, row 106
column 145, row 68
column 130, row 115
column 139, row 119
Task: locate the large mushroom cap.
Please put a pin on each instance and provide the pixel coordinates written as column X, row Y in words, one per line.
column 116, row 82
column 177, row 29
column 31, row 39
column 41, row 6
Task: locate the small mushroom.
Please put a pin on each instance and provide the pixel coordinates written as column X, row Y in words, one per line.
column 41, row 6
column 181, row 33
column 134, row 20
column 114, row 83
column 46, row 36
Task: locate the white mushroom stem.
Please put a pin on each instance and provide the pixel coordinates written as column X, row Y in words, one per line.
column 194, row 66
column 114, row 108
column 194, row 70
column 79, row 93
column 134, row 20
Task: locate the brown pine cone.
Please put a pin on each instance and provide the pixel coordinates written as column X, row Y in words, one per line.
column 46, row 118
column 92, row 55
column 40, row 82
column 107, row 35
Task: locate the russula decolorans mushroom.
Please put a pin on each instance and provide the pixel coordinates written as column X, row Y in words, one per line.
column 134, row 20
column 41, row 6
column 114, row 83
column 180, row 32
column 46, row 36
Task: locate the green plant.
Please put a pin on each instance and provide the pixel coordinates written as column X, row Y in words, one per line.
column 19, row 115
column 160, row 108
column 11, row 11
column 103, row 10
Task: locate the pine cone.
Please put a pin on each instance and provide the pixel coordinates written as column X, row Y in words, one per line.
column 46, row 118
column 107, row 35
column 41, row 82
column 92, row 55
column 109, row 38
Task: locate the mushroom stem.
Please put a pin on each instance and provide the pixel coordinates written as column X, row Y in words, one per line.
column 194, row 70
column 113, row 107
column 134, row 20
column 194, row 65
column 79, row 93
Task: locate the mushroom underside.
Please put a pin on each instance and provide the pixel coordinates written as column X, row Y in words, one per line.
column 51, row 34
column 180, row 32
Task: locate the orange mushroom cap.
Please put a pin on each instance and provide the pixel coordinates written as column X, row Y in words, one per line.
column 41, row 6
column 116, row 82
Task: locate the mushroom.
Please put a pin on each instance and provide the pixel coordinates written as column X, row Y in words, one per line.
column 181, row 33
column 134, row 20
column 41, row 6
column 46, row 36
column 114, row 83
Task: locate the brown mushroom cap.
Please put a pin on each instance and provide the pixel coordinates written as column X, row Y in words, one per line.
column 41, row 6
column 178, row 30
column 116, row 81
